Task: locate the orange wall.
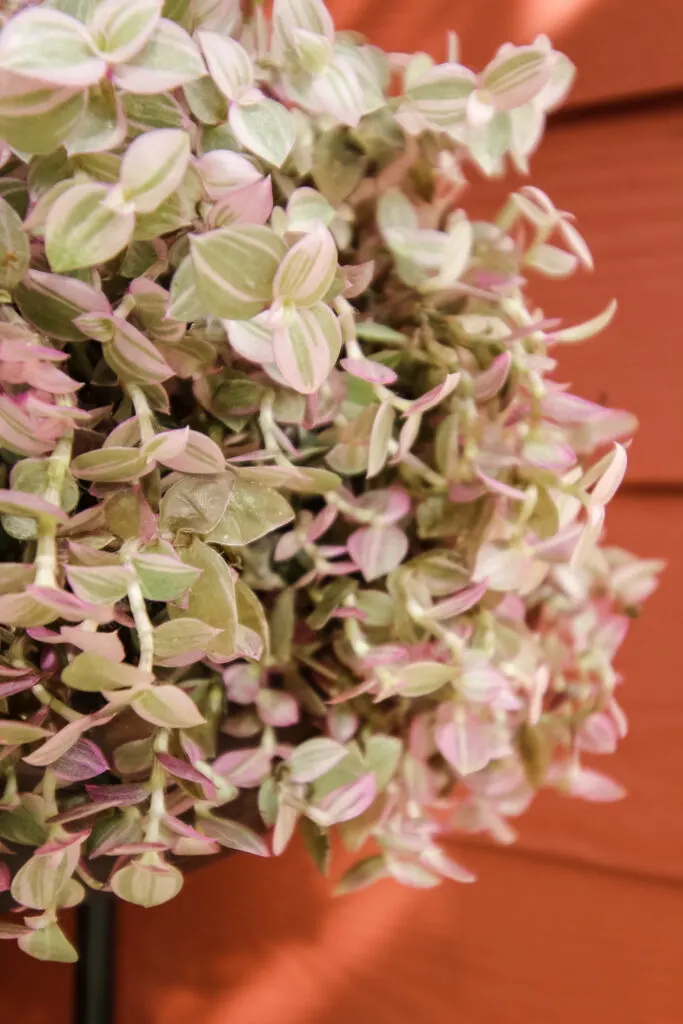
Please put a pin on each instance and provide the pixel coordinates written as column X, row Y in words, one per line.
column 583, row 919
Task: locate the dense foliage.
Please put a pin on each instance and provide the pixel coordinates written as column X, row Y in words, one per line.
column 296, row 529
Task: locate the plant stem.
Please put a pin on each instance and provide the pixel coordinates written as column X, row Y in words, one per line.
column 143, row 624
column 143, row 413
column 157, row 807
column 46, row 698
column 46, row 547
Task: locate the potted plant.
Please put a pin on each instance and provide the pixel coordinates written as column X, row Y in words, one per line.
column 298, row 529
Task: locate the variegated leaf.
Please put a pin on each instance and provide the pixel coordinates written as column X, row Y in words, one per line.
column 153, row 167
column 235, row 268
column 82, row 229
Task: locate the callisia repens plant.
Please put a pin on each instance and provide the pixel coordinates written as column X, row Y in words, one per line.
column 300, row 532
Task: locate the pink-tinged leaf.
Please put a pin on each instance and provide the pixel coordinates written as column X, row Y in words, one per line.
column 585, row 784
column 499, row 487
column 276, row 708
column 459, row 603
column 182, row 770
column 464, row 740
column 199, row 455
column 147, row 884
column 610, row 481
column 181, row 828
column 228, row 62
column 436, row 860
column 127, row 795
column 5, row 882
column 252, row 339
column 21, row 503
column 306, row 344
column 106, row 645
column 52, row 47
column 432, row 398
column 168, row 60
column 153, row 167
column 377, row 550
column 370, row 370
column 223, row 172
column 133, row 357
column 89, row 583
column 314, row 758
column 349, row 801
column 242, row 683
column 18, row 431
column 358, row 279
column 70, row 607
column 233, row 835
column 567, row 410
column 168, row 707
column 59, row 744
column 244, row 768
column 13, row 686
column 307, row 271
column 380, row 439
column 490, row 381
column 83, row 761
column 391, row 504
column 250, row 205
column 599, row 734
column 167, row 445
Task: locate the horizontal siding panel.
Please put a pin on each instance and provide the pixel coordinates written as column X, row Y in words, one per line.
column 532, row 940
column 621, row 177
column 621, row 47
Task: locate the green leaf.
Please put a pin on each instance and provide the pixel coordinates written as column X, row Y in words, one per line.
column 91, row 583
column 35, row 117
column 82, row 230
column 206, row 103
column 120, row 28
column 168, row 707
column 148, row 112
column 306, row 274
column 181, row 636
column 169, row 216
column 14, row 247
column 51, row 303
column 228, row 62
column 49, row 943
column 30, row 476
column 185, row 302
column 233, row 835
column 212, row 596
column 195, row 504
column 95, row 674
column 306, row 346
column 252, row 512
column 147, row 885
column 234, row 269
column 163, row 578
column 37, row 883
column 111, row 465
column 50, row 46
column 16, row 732
column 153, row 167
column 265, row 128
column 102, row 126
column 170, row 59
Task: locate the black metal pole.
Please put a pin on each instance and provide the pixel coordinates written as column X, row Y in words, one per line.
column 95, row 969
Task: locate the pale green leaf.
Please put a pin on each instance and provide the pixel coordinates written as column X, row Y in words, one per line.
column 82, row 230
column 153, row 167
column 252, row 512
column 234, row 269
column 265, row 128
column 95, row 674
column 120, row 28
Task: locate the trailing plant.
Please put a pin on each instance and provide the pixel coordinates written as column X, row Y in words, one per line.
column 298, row 530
